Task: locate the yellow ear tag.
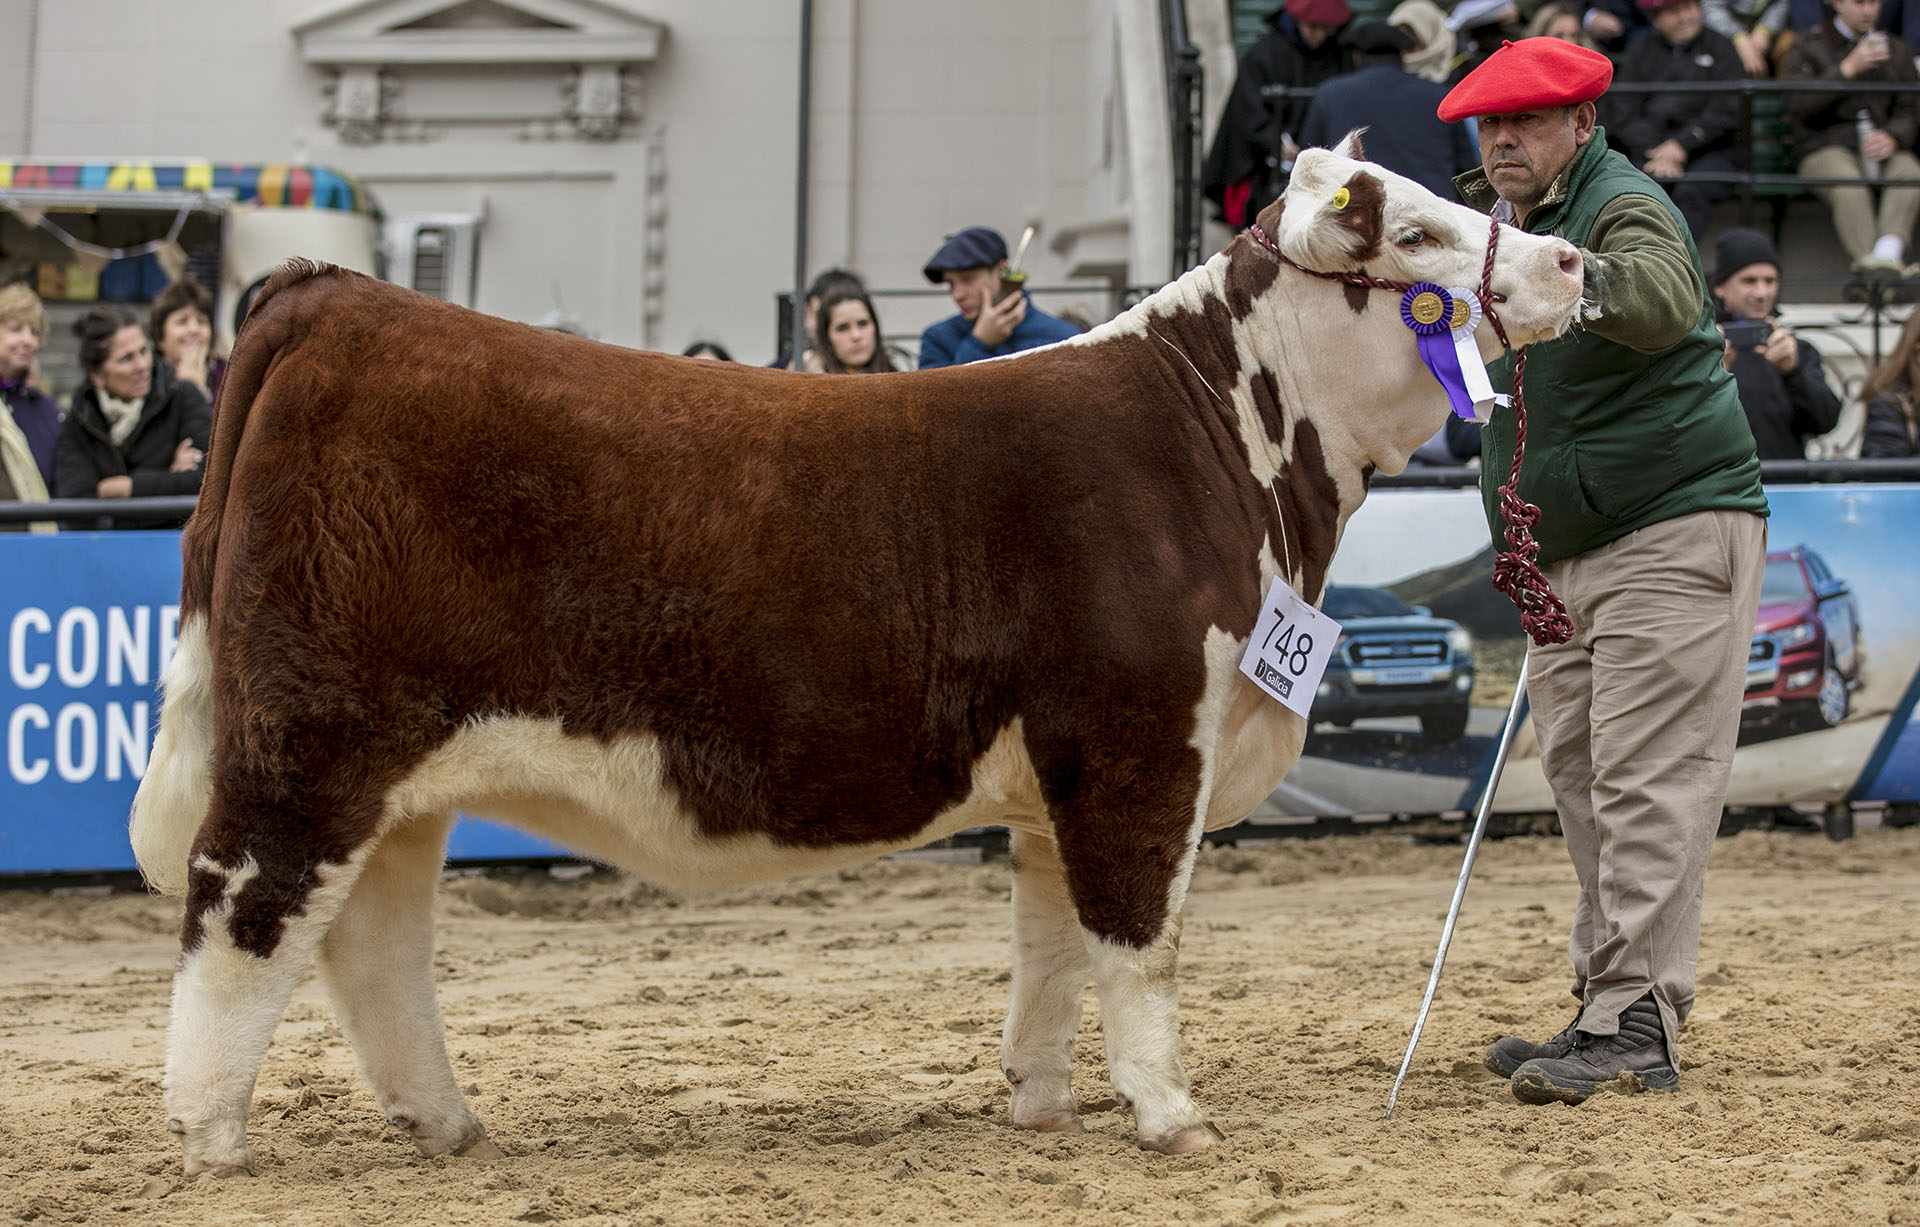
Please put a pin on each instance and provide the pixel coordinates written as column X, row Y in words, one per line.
column 1340, row 198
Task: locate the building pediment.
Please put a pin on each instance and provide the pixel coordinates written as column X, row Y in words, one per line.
column 396, row 33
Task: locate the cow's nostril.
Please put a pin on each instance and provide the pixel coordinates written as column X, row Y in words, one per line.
column 1570, row 261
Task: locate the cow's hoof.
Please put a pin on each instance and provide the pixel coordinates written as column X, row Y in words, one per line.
column 220, row 1169
column 482, row 1149
column 1062, row 1121
column 1184, row 1141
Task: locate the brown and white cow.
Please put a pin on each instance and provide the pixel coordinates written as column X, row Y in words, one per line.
column 714, row 623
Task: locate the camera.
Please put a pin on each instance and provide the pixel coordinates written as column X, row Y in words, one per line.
column 1746, row 334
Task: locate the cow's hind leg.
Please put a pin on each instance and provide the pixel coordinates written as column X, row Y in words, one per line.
column 377, row 960
column 259, row 897
column 1050, row 971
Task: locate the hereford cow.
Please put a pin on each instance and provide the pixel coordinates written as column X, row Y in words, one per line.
column 714, row 624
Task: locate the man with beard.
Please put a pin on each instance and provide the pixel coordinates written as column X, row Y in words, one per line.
column 1652, row 531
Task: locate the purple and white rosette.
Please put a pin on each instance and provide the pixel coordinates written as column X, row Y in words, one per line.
column 1443, row 321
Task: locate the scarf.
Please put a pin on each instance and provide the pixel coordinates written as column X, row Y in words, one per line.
column 121, row 415
column 1429, row 24
column 16, row 458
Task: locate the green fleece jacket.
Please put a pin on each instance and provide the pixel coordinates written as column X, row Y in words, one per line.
column 1631, row 419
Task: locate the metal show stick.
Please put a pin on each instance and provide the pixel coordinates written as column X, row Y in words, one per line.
column 1466, row 870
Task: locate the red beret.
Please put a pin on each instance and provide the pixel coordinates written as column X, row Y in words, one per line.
column 1533, row 74
column 1320, row 12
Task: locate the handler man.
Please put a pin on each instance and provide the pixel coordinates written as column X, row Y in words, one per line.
column 1652, row 532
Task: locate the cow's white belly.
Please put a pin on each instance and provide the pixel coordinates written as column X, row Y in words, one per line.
column 612, row 802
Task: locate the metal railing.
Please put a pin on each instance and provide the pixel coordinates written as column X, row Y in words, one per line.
column 1774, row 472
column 1118, row 298
column 1185, row 119
column 1746, row 182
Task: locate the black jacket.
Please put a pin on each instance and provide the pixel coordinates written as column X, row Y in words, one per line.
column 1402, row 132
column 1889, row 431
column 1821, row 120
column 86, row 453
column 1247, row 144
column 1700, row 122
column 1784, row 409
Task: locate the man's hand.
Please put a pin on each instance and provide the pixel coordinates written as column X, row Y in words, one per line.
column 1603, row 25
column 1782, row 349
column 1752, row 46
column 1878, row 146
column 998, row 320
column 186, row 457
column 114, row 487
column 1868, row 53
column 1667, row 160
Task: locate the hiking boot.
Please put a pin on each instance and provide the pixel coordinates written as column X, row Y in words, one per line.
column 1593, row 1061
column 1510, row 1052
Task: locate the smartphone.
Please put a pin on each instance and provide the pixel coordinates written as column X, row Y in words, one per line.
column 1747, row 334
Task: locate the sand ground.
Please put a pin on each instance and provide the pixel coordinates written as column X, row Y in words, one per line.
column 826, row 1050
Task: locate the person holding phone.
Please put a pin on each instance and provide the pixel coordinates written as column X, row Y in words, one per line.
column 994, row 316
column 1783, row 386
column 1858, row 132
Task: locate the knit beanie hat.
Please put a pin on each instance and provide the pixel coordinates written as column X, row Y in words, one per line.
column 1736, row 249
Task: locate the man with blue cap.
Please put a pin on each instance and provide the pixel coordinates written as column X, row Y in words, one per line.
column 992, row 321
column 1651, row 530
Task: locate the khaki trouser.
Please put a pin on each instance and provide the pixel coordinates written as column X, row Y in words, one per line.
column 1853, row 212
column 1637, row 719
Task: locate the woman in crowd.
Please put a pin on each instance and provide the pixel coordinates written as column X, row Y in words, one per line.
column 850, row 341
column 132, row 431
column 1893, row 416
column 1426, row 23
column 31, row 422
column 181, row 326
column 1561, row 21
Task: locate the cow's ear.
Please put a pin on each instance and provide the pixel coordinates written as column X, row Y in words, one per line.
column 1361, row 211
column 1269, row 218
column 1350, row 146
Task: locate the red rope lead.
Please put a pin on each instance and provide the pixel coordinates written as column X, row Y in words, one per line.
column 1516, row 571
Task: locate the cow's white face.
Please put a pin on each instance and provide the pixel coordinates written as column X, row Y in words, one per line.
column 1341, row 214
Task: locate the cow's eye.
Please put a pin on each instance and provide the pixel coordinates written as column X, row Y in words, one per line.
column 1412, row 237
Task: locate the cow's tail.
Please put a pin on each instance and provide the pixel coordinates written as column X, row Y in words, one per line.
column 177, row 788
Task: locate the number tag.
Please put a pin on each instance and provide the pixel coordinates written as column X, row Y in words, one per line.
column 1291, row 645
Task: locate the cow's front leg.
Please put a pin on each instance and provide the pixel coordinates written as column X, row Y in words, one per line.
column 1140, row 1019
column 378, row 963
column 1049, row 976
column 1127, row 831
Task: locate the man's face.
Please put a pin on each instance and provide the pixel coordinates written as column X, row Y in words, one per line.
column 969, row 288
column 1857, row 15
column 1679, row 22
column 1525, row 151
column 1312, row 33
column 1751, row 292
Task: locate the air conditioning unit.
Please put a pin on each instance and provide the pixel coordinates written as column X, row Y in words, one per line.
column 435, row 253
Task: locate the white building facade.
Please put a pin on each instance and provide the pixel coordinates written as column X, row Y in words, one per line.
column 632, row 163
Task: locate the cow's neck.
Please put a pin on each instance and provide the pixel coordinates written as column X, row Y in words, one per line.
column 1228, row 337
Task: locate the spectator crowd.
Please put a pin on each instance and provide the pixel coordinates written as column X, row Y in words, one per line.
column 139, row 424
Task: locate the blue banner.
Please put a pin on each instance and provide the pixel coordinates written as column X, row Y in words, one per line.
column 90, row 621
